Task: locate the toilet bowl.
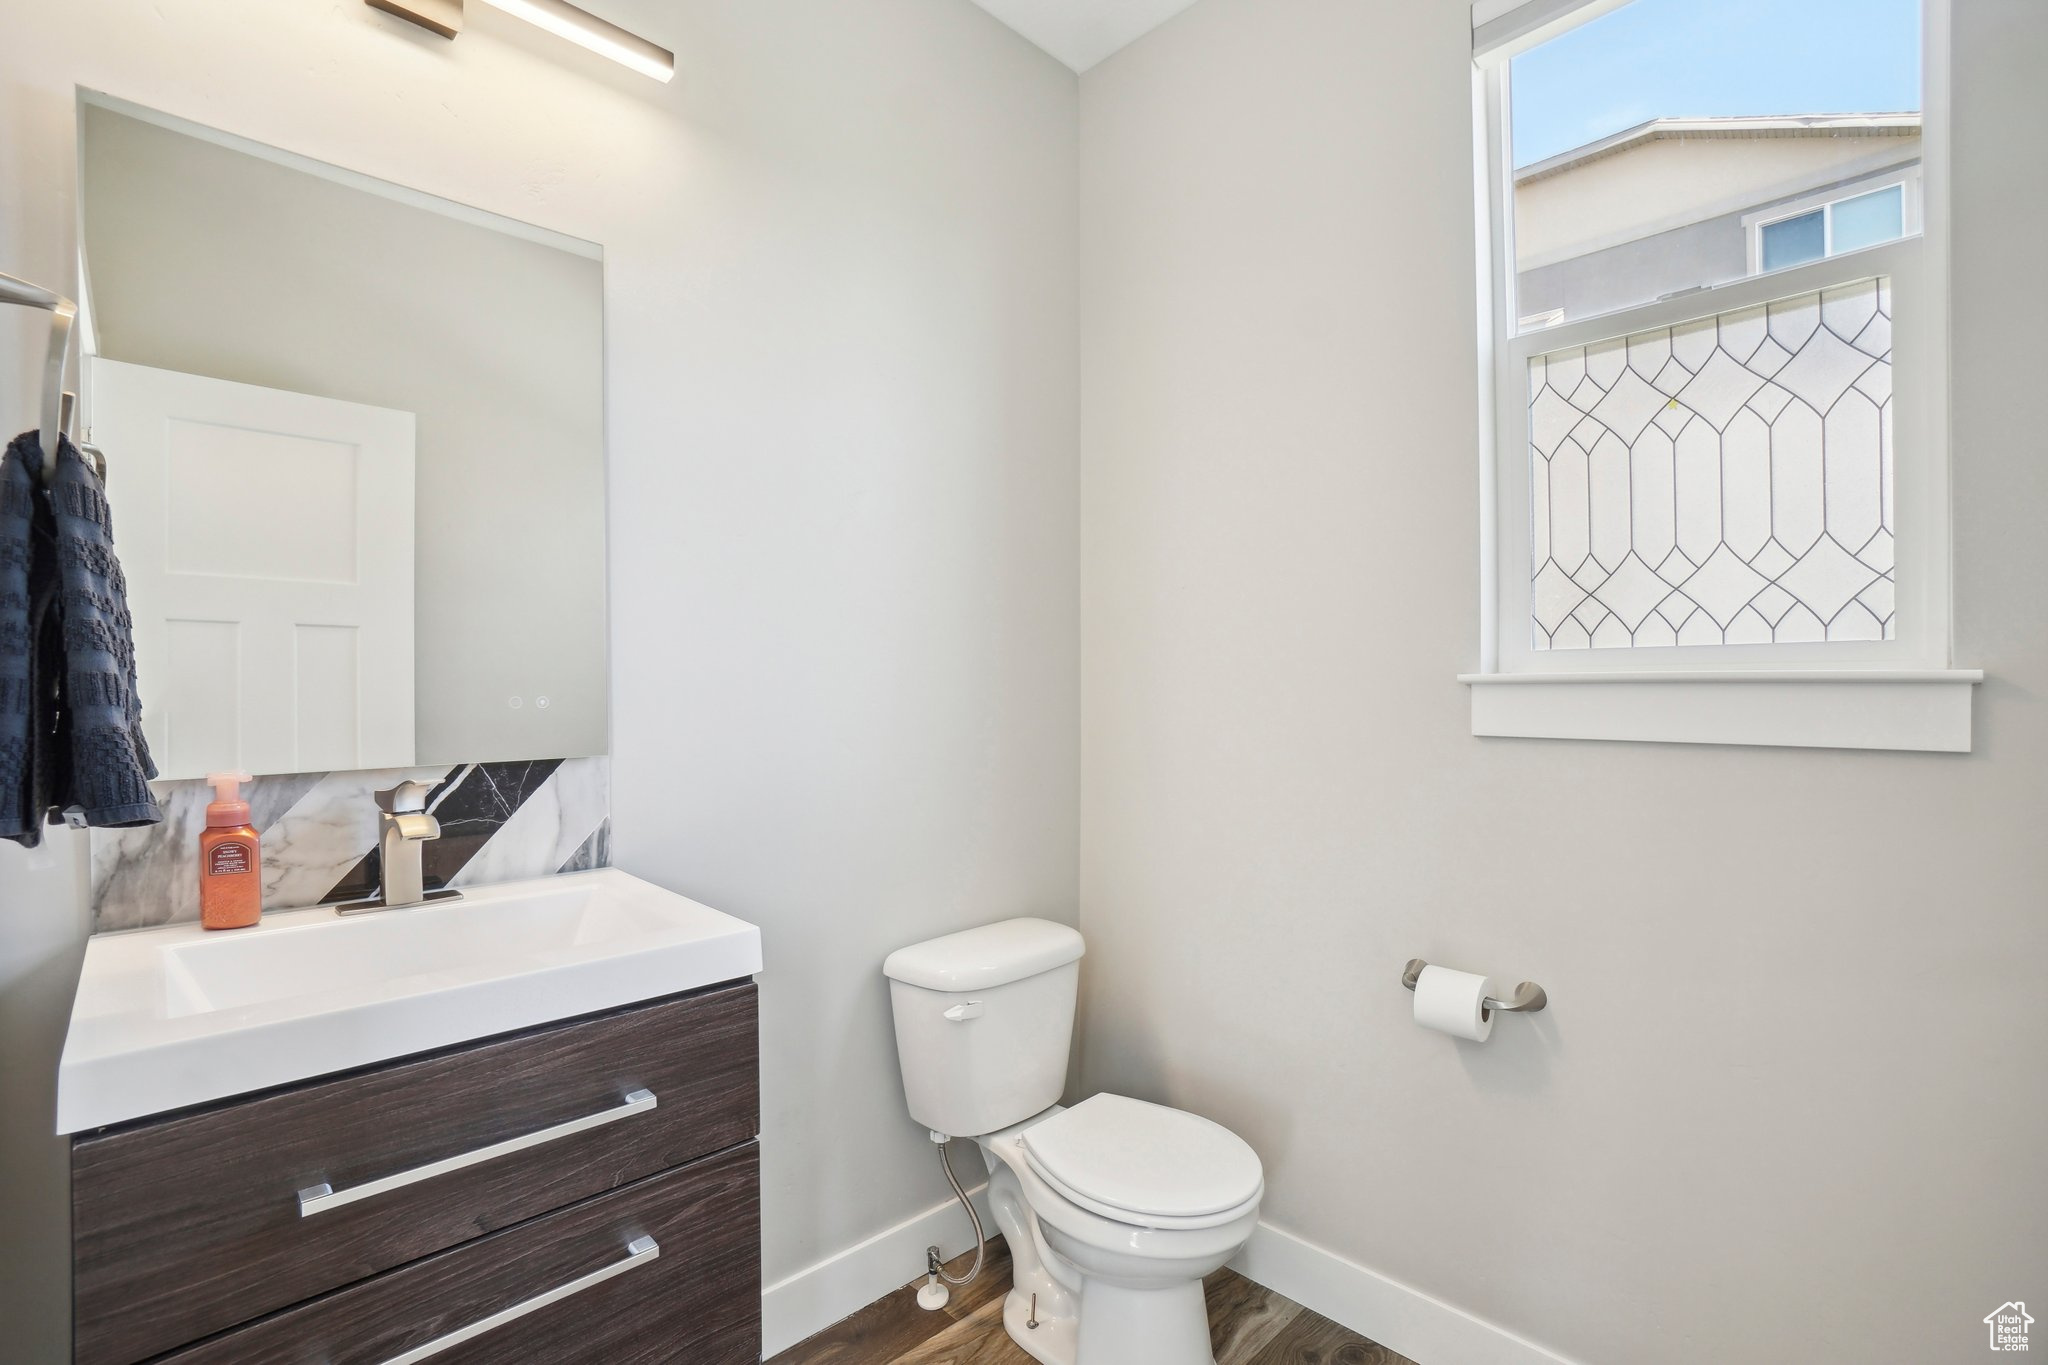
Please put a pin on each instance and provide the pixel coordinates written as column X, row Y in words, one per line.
column 1112, row 1282
column 1114, row 1209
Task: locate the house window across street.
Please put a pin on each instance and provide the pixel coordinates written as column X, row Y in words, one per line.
column 1859, row 216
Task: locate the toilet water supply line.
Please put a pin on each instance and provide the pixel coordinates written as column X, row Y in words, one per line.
column 933, row 1294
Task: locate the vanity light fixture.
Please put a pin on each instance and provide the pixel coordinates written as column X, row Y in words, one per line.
column 558, row 17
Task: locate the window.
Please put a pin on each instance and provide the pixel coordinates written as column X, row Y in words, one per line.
column 1812, row 228
column 1716, row 366
column 1794, row 241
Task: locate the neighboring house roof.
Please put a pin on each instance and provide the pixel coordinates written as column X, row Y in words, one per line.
column 1773, row 126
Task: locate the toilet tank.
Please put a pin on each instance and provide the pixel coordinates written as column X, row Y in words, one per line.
column 983, row 1022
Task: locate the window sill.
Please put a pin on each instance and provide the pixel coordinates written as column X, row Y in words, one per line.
column 1922, row 709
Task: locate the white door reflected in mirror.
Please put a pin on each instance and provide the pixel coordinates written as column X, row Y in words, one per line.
column 268, row 541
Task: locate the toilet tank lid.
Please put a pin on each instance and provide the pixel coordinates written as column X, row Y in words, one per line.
column 993, row 955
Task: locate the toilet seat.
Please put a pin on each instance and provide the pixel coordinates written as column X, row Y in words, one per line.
column 1145, row 1164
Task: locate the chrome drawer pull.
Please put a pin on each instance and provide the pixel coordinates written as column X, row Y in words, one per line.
column 638, row 1251
column 319, row 1198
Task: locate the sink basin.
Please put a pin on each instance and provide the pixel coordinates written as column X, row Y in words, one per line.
column 172, row 1017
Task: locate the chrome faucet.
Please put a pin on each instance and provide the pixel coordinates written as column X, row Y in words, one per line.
column 403, row 830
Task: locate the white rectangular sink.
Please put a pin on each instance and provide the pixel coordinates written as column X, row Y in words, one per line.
column 177, row 1016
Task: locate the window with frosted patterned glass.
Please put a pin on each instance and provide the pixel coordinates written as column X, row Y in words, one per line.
column 1723, row 481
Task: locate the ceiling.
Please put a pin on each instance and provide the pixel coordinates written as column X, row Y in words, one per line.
column 1083, row 32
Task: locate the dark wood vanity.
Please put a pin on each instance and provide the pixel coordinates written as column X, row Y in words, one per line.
column 583, row 1191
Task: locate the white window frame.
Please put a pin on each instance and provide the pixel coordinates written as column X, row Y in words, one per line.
column 1903, row 693
column 1912, row 216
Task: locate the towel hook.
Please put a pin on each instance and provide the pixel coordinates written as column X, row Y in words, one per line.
column 1527, row 999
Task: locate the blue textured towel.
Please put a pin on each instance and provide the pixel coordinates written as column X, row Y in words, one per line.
column 70, row 721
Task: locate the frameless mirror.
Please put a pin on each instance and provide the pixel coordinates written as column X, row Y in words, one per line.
column 354, row 446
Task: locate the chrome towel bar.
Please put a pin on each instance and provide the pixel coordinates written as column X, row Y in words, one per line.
column 1527, row 999
column 63, row 315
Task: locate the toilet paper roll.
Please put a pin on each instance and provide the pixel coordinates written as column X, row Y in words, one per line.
column 1454, row 1003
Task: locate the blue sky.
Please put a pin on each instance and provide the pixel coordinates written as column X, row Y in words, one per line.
column 1696, row 58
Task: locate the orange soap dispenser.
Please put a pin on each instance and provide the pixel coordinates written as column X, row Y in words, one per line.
column 230, row 865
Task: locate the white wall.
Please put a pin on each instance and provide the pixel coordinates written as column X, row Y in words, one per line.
column 845, row 574
column 840, row 264
column 1785, row 1104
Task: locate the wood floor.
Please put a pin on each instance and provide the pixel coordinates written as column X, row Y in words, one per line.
column 1251, row 1325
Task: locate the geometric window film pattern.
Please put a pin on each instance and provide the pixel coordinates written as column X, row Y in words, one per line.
column 1724, row 481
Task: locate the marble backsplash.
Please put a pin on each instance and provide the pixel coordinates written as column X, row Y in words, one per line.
column 500, row 822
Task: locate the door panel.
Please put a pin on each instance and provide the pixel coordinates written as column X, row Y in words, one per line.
column 267, row 538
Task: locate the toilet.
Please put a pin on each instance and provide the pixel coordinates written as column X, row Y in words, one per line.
column 1114, row 1209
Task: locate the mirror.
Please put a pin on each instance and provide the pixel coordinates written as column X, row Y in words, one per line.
column 354, row 448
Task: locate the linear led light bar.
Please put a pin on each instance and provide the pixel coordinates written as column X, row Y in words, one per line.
column 558, row 17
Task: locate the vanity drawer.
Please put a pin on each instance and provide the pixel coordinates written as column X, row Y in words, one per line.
column 665, row 1270
column 186, row 1226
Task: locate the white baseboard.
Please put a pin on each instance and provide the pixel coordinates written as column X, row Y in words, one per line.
column 1397, row 1316
column 819, row 1295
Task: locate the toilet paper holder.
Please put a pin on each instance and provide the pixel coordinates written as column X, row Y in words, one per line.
column 1527, row 999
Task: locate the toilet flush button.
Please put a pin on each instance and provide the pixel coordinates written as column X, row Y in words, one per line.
column 960, row 1013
